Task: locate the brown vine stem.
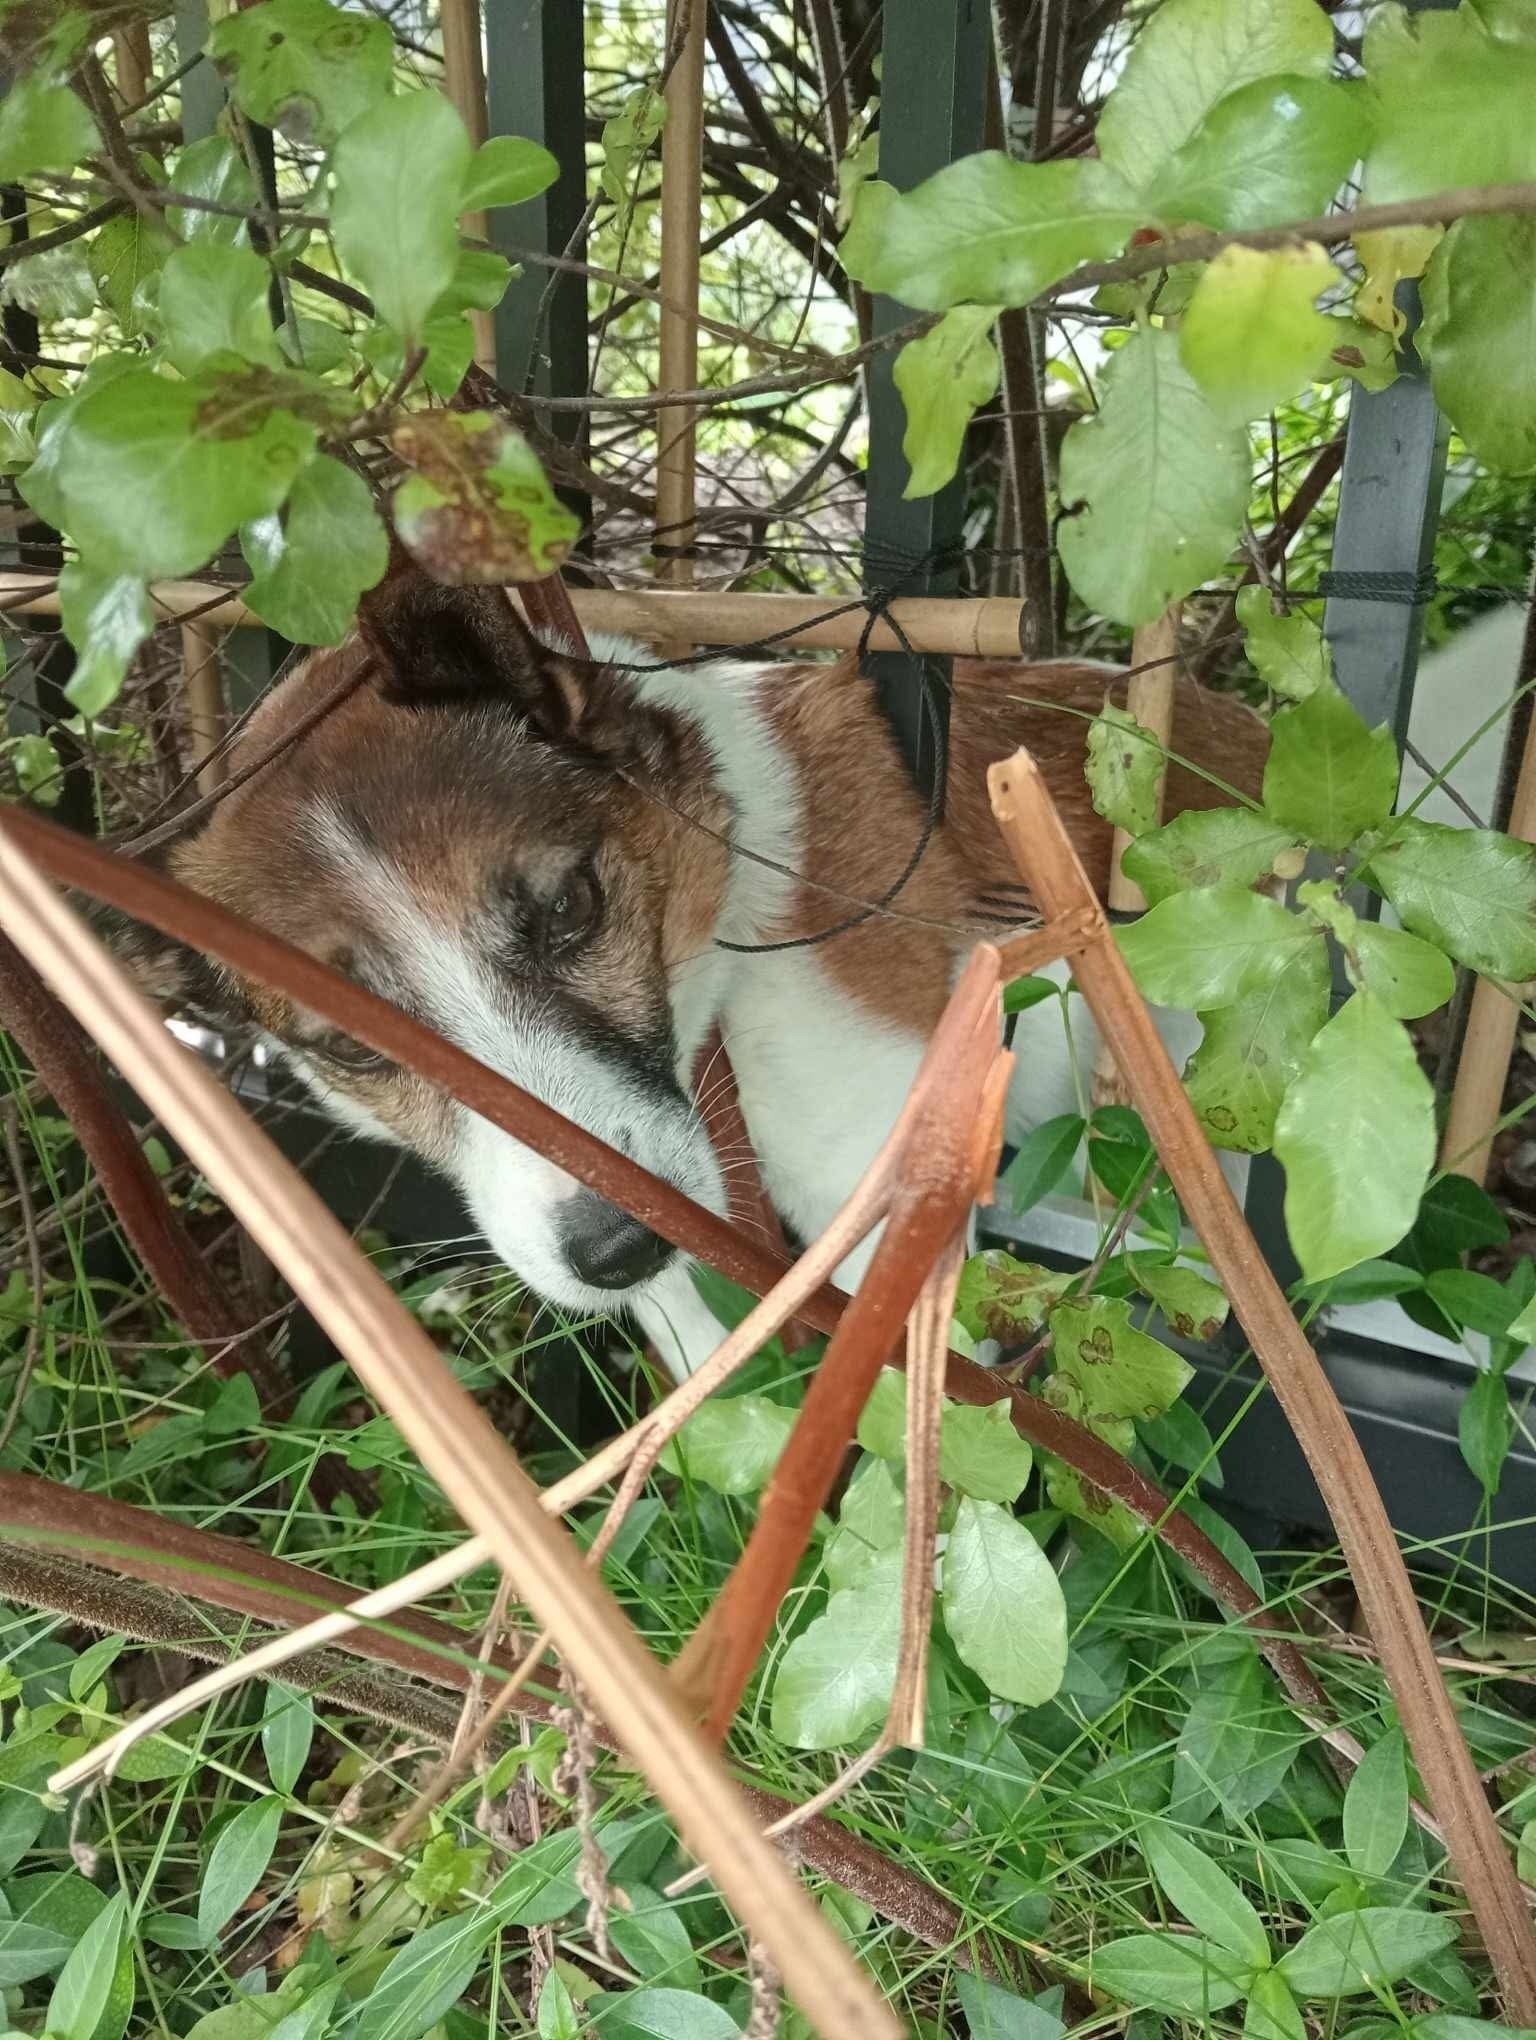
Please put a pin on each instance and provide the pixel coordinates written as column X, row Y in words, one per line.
column 171, row 1564
column 456, row 1443
column 188, row 917
column 1048, row 863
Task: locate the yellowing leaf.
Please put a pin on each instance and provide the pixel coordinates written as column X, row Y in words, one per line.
column 944, row 377
column 1392, row 255
column 1253, row 335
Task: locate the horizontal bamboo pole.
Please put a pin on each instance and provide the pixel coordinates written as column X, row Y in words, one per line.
column 964, row 627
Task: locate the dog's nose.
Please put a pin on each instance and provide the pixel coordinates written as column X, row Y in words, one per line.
column 605, row 1246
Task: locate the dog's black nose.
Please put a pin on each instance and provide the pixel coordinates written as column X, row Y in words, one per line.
column 605, row 1246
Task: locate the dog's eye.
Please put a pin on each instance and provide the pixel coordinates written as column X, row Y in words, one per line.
column 344, row 1053
column 573, row 914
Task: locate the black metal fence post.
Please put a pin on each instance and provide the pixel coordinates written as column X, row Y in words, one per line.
column 933, row 82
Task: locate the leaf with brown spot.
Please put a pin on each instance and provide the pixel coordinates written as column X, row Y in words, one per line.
column 478, row 506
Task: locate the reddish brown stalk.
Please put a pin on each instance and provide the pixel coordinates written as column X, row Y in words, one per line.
column 945, row 1143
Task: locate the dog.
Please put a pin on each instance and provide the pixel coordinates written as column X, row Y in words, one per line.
column 576, row 868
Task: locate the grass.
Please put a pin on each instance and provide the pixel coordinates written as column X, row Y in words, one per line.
column 259, row 1876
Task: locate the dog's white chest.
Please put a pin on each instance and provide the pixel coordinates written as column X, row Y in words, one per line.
column 820, row 1082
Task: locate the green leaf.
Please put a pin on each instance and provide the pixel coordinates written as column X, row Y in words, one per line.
column 980, row 1452
column 1155, row 485
column 1472, row 892
column 213, row 300
column 82, row 1997
column 1044, row 1157
column 38, row 767
column 1025, row 992
column 883, row 1420
column 1286, row 649
column 1408, row 976
column 310, row 563
column 425, row 1978
column 731, row 1444
column 833, row 1684
column 31, row 1948
column 1194, row 1307
column 125, row 257
column 1356, row 1134
column 871, row 1522
column 477, row 506
column 1000, row 1298
column 1232, row 846
column 1180, row 1436
column 660, row 2015
column 1358, row 1951
column 1177, row 1973
column 1449, row 105
column 1275, row 150
column 558, row 2018
column 237, row 1862
column 43, row 126
column 1003, row 1606
column 154, row 475
column 1457, row 1217
column 1370, row 1280
column 399, row 174
column 1376, row 1807
column 106, row 618
column 1118, row 1371
column 985, row 230
column 507, row 170
column 1253, row 335
column 992, row 2013
column 1273, row 2013
column 1329, row 777
column 1212, row 947
column 1205, row 1894
column 1479, row 337
column 1237, row 1740
column 944, row 377
column 625, row 140
column 212, row 168
column 1125, row 766
column 1192, row 53
column 654, row 1942
column 287, row 1730
column 303, row 66
column 1486, row 1429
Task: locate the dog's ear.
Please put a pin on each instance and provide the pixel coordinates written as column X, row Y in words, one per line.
column 441, row 647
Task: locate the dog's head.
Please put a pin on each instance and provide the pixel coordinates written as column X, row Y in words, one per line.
column 504, row 841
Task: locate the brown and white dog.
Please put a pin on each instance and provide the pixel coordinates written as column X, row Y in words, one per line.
column 548, row 860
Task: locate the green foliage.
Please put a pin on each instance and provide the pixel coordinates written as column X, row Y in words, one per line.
column 304, row 66
column 1002, row 1604
column 944, row 377
column 507, row 170
column 1190, row 55
column 312, row 560
column 1125, row 767
column 1155, row 483
column 1479, row 312
column 1471, row 892
column 1356, row 1133
column 1276, row 149
column 1329, row 778
column 43, row 126
column 1203, row 848
column 1213, row 946
column 237, row 1862
column 400, row 172
column 985, row 231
